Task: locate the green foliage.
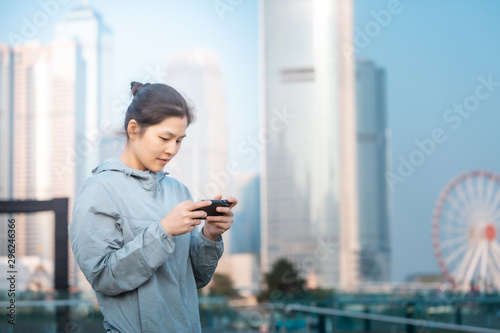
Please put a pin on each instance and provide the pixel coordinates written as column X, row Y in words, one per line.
column 222, row 285
column 283, row 283
column 284, row 277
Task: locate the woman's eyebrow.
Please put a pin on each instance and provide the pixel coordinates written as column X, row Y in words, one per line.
column 171, row 134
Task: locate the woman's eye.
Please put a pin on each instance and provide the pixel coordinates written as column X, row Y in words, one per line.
column 164, row 139
column 179, row 141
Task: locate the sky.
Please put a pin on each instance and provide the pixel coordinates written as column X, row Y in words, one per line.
column 435, row 54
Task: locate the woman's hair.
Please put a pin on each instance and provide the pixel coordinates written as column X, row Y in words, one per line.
column 153, row 103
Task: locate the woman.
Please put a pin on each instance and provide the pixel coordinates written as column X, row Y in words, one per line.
column 134, row 230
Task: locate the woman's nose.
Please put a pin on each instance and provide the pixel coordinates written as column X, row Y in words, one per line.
column 171, row 147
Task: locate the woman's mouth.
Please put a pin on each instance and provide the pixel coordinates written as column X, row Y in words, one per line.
column 163, row 161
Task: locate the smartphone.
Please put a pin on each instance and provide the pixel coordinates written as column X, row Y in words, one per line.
column 211, row 210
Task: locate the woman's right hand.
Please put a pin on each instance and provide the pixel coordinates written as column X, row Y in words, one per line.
column 183, row 219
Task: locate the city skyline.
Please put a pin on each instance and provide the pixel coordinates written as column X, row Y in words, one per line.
column 429, row 68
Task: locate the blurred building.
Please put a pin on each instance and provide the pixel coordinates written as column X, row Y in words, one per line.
column 82, row 101
column 308, row 187
column 30, row 143
column 67, row 113
column 6, row 121
column 374, row 238
column 43, row 122
column 6, row 132
column 242, row 261
column 87, row 29
column 52, row 102
column 245, row 232
column 202, row 162
column 244, row 271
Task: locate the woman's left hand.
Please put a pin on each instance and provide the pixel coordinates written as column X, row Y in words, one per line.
column 217, row 225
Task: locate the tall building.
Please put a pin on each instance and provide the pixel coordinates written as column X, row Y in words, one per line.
column 6, row 132
column 67, row 77
column 202, row 162
column 83, row 45
column 27, row 60
column 44, row 117
column 308, row 187
column 245, row 232
column 52, row 104
column 6, row 119
column 242, row 262
column 372, row 166
column 87, row 29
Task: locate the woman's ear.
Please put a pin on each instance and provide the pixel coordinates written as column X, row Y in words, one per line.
column 133, row 129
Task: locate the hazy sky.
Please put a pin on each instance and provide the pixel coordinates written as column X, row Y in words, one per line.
column 434, row 53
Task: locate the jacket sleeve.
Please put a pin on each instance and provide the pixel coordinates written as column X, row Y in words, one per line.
column 111, row 266
column 205, row 255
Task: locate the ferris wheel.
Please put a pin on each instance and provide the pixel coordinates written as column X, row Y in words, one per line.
column 465, row 231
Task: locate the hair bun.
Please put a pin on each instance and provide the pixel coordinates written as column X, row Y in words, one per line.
column 135, row 87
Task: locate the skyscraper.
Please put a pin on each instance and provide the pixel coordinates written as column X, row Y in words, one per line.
column 245, row 232
column 67, row 113
column 6, row 119
column 83, row 47
column 372, row 166
column 87, row 29
column 57, row 100
column 6, row 132
column 309, row 199
column 243, row 265
column 44, row 116
column 202, row 162
column 27, row 60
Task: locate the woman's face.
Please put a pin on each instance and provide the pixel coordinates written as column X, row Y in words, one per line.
column 158, row 144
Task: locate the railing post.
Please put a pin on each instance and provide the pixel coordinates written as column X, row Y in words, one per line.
column 321, row 323
column 321, row 320
column 458, row 313
column 410, row 311
column 63, row 313
column 367, row 322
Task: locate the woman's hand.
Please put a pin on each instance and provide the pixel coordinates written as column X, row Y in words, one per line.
column 182, row 219
column 217, row 225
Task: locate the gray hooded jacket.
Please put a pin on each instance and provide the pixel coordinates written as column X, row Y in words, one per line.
column 145, row 279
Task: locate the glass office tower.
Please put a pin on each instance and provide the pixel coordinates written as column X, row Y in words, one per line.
column 309, row 189
column 372, row 166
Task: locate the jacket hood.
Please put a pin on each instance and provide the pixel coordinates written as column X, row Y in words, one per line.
column 149, row 180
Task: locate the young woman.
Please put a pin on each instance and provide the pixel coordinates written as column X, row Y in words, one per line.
column 134, row 230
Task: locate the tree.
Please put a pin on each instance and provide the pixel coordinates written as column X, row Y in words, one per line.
column 222, row 285
column 282, row 282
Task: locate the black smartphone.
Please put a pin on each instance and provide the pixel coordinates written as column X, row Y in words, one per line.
column 211, row 210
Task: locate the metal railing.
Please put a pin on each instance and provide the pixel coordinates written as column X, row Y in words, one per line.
column 82, row 315
column 409, row 322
